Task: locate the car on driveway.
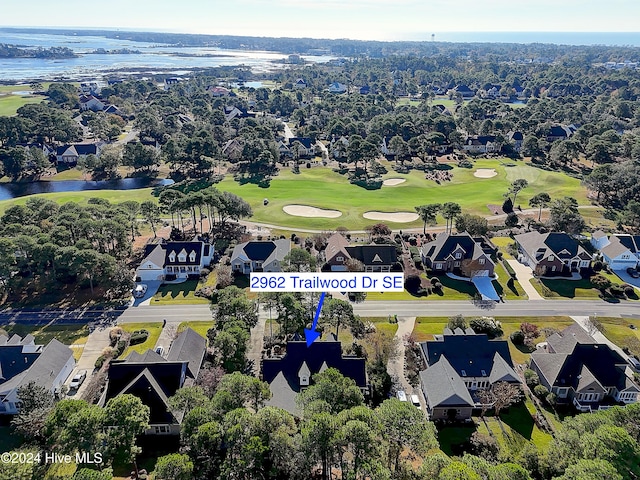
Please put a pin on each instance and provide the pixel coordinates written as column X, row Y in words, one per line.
column 160, row 350
column 77, row 380
column 140, row 290
column 633, row 273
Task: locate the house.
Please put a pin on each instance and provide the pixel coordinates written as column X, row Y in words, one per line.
column 113, row 110
column 173, row 260
column 70, row 154
column 551, row 254
column 171, row 82
column 481, row 144
column 337, row 87
column 23, row 362
column 153, row 379
column 374, row 257
column 90, row 88
column 619, row 251
column 300, row 83
column 231, row 112
column 559, row 132
column 459, row 363
column 89, row 102
column 232, row 149
column 303, row 147
column 338, row 147
column 260, row 256
column 384, row 147
column 217, row 91
column 464, row 90
column 580, row 371
column 289, row 372
column 457, row 253
column 517, row 139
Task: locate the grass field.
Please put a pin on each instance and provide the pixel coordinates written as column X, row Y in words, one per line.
column 502, row 243
column 619, row 332
column 200, row 327
column 563, row 288
column 154, row 333
column 178, row 294
column 9, row 104
column 519, row 428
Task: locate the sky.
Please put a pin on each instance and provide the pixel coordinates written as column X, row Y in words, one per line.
column 355, row 19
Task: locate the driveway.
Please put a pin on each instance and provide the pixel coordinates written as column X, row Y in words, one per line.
column 626, row 278
column 152, row 288
column 524, row 275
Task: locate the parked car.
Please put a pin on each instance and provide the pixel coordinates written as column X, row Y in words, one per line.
column 401, row 395
column 633, row 273
column 77, row 380
column 140, row 290
column 633, row 361
column 416, row 401
column 160, row 350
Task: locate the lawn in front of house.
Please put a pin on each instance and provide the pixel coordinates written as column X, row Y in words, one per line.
column 509, row 288
column 199, row 327
column 178, row 294
column 154, row 329
column 619, row 332
column 381, row 323
column 565, row 288
column 67, row 333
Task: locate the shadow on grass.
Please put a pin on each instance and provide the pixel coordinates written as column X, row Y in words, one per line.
column 458, row 285
column 177, row 290
column 453, row 439
column 519, row 419
column 566, row 288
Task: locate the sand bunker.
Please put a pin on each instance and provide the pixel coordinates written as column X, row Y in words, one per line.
column 485, row 173
column 390, row 182
column 398, row 217
column 307, row 211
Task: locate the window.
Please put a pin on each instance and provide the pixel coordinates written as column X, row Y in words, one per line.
column 456, row 264
column 553, row 268
column 172, row 257
column 192, row 256
column 463, row 372
column 458, row 255
column 484, row 374
column 481, row 261
column 340, row 259
column 160, row 429
column 550, row 258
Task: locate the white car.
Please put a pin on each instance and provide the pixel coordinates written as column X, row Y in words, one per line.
column 140, row 290
column 77, row 380
column 416, row 401
column 401, row 395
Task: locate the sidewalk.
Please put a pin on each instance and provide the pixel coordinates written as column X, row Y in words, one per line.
column 524, row 275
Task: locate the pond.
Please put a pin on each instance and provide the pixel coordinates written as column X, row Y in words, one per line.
column 15, row 190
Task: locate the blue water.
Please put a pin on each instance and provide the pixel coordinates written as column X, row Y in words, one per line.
column 14, row 190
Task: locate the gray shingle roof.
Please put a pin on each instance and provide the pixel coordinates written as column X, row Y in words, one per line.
column 189, row 346
column 443, row 387
column 566, row 340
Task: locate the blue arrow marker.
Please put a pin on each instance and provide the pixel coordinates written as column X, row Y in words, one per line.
column 312, row 335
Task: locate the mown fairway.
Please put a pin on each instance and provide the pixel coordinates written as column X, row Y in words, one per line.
column 323, row 188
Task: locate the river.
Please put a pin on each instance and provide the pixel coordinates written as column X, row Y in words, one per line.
column 152, row 59
column 15, row 190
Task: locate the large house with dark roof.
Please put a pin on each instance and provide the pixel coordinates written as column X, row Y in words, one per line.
column 580, row 371
column 153, row 379
column 619, row 251
column 375, row 257
column 481, row 144
column 459, row 254
column 70, row 154
column 290, row 372
column 459, row 363
column 260, row 256
column 23, row 362
column 550, row 254
column 172, row 260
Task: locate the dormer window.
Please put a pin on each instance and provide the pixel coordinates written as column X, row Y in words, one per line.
column 481, row 261
column 484, row 374
column 550, row 258
column 458, row 255
column 464, row 373
column 192, row 256
column 182, row 256
column 172, row 257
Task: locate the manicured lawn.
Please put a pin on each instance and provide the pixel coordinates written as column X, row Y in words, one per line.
column 426, row 327
column 178, row 294
column 519, row 430
column 450, row 437
column 454, row 289
column 9, row 104
column 381, row 323
column 323, row 188
column 564, row 288
column 154, row 330
column 502, row 243
column 200, row 327
column 617, row 330
column 69, row 334
column 510, row 289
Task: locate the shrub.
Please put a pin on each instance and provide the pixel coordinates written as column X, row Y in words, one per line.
column 541, row 392
column 205, row 292
column 204, row 272
column 616, row 290
column 486, row 325
column 412, row 283
column 629, row 291
column 551, row 399
column 138, row 337
column 517, row 337
column 120, row 346
column 531, row 378
column 100, row 361
column 465, row 163
column 509, row 269
column 507, row 206
column 600, row 282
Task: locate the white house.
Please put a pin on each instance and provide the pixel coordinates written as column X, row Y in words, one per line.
column 89, row 102
column 260, row 256
column 174, row 259
column 52, row 366
column 337, row 87
column 619, row 251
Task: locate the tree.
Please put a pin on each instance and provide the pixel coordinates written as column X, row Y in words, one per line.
column 449, row 211
column 541, row 200
column 299, row 260
column 428, row 214
column 505, row 394
column 457, row 321
column 631, row 215
column 187, row 398
column 175, row 466
column 35, row 404
column 336, row 312
column 151, row 213
column 472, row 224
column 233, row 304
column 132, row 208
column 339, row 392
column 565, row 216
column 516, row 187
column 319, row 440
column 590, row 469
column 126, row 417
